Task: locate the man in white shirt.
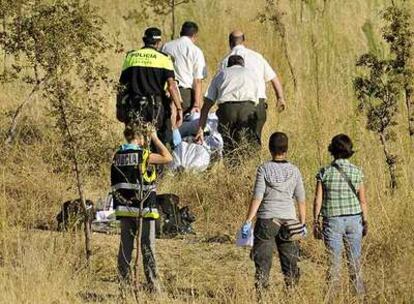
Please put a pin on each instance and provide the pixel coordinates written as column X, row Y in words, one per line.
column 261, row 69
column 236, row 92
column 190, row 66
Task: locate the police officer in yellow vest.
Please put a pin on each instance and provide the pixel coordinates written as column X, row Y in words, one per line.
column 147, row 75
column 133, row 182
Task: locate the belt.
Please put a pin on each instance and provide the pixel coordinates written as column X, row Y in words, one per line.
column 238, row 102
column 148, row 98
column 129, row 186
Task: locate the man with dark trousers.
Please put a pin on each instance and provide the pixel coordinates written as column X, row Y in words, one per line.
column 189, row 65
column 261, row 69
column 236, row 92
column 147, row 75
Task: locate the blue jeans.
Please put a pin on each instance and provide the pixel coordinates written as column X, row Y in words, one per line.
column 339, row 232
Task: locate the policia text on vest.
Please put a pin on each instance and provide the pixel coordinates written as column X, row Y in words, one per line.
column 132, row 181
column 144, row 80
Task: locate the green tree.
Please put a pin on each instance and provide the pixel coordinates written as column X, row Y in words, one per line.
column 399, row 34
column 378, row 92
column 62, row 44
column 380, row 89
column 160, row 8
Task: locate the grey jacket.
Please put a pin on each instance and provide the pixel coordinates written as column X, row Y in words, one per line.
column 278, row 185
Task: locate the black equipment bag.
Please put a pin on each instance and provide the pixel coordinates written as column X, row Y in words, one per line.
column 173, row 219
column 71, row 215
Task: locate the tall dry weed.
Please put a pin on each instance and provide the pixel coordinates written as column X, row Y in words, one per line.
column 325, row 39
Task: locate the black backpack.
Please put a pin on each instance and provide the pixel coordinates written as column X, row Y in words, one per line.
column 173, row 219
column 71, row 215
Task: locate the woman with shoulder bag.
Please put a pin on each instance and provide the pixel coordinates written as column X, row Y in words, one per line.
column 340, row 201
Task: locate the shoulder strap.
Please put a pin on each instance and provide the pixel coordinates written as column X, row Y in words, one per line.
column 346, row 178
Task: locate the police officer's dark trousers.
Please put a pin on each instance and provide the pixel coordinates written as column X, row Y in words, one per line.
column 187, row 95
column 129, row 227
column 261, row 118
column 266, row 237
column 239, row 122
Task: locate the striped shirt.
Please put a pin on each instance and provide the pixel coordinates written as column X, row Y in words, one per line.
column 338, row 197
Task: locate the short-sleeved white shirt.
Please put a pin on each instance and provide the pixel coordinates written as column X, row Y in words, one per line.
column 189, row 62
column 232, row 84
column 254, row 61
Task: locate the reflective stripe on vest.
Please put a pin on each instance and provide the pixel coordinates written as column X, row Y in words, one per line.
column 125, row 211
column 147, row 178
column 129, row 186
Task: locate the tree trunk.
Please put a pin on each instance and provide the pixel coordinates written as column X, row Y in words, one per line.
column 4, row 54
column 391, row 162
column 410, row 111
column 173, row 19
column 87, row 227
column 79, row 182
column 11, row 133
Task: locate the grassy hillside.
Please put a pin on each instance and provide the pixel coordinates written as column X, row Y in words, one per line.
column 322, row 40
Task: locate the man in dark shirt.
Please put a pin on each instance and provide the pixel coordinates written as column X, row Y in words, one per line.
column 146, row 75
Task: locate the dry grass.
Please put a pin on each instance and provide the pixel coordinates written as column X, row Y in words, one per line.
column 47, row 267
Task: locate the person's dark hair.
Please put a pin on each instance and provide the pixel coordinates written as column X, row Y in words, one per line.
column 189, row 29
column 235, row 40
column 151, row 36
column 235, row 60
column 278, row 143
column 131, row 132
column 341, row 147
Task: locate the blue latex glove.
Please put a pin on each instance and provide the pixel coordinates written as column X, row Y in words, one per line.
column 245, row 230
column 176, row 137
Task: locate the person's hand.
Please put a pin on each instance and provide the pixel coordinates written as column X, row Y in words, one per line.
column 173, row 117
column 195, row 109
column 280, row 105
column 245, row 230
column 364, row 228
column 305, row 231
column 154, row 136
column 317, row 230
column 199, row 138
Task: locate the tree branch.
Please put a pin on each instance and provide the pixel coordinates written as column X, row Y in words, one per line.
column 11, row 133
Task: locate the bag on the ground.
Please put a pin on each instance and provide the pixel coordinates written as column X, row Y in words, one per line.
column 292, row 231
column 71, row 215
column 173, row 219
